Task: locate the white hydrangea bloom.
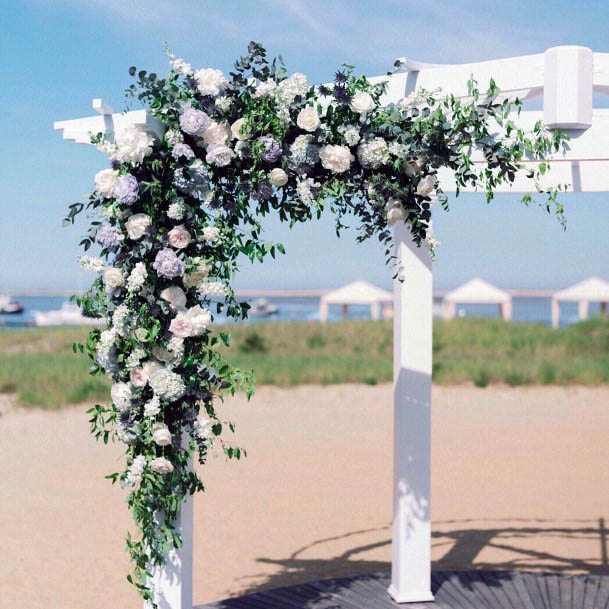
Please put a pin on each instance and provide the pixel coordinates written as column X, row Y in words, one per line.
column 265, row 88
column 223, row 103
column 181, row 66
column 211, row 234
column 121, row 319
column 95, row 265
column 304, row 190
column 351, row 135
column 173, row 137
column 167, row 385
column 137, row 278
column 121, row 395
column 134, row 475
column 212, row 289
column 200, row 270
column 203, row 430
column 135, row 357
column 373, row 153
column 291, row 87
column 152, row 408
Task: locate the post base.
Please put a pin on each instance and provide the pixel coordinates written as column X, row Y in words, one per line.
column 420, row 597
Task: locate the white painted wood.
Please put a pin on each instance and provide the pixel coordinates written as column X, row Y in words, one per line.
column 582, row 309
column 412, row 361
column 555, row 312
column 101, row 107
column 568, row 87
column 172, row 582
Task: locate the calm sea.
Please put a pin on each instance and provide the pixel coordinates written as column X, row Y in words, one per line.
column 535, row 310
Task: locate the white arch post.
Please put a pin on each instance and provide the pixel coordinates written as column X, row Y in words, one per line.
column 567, row 77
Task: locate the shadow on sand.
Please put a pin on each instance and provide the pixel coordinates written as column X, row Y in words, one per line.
column 464, row 541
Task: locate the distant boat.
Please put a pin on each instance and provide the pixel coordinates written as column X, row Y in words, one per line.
column 8, row 306
column 262, row 308
column 69, row 315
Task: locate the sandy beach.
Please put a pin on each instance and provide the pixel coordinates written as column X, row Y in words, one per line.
column 520, row 480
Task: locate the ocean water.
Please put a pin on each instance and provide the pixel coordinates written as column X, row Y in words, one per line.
column 535, row 310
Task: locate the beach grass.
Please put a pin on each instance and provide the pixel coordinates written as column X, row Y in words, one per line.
column 39, row 366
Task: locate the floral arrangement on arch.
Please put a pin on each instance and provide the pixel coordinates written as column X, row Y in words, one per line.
column 172, row 216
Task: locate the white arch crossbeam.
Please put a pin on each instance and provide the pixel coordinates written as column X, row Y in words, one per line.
column 567, row 77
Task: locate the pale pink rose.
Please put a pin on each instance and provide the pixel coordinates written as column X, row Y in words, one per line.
column 181, row 325
column 178, row 237
column 138, row 377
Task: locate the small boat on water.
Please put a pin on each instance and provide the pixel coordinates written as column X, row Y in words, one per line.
column 263, row 308
column 8, row 306
column 68, row 315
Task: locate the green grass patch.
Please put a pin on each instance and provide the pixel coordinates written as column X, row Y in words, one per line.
column 40, row 367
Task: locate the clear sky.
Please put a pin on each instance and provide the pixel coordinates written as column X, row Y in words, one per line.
column 56, row 55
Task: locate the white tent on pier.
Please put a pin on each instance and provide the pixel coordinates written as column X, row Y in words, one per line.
column 356, row 293
column 593, row 289
column 478, row 291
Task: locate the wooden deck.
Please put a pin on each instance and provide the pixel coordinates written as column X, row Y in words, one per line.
column 452, row 590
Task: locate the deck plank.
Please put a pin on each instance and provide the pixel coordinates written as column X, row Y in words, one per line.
column 452, row 589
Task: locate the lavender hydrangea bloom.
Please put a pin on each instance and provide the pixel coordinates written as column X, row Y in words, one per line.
column 182, row 150
column 194, row 122
column 126, row 190
column 168, row 265
column 109, row 237
column 272, row 149
column 264, row 191
column 190, row 179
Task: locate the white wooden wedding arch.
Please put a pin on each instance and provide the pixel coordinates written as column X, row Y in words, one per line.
column 567, row 77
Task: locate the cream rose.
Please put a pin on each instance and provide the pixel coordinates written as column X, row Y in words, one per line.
column 199, row 272
column 113, row 279
column 151, row 368
column 210, row 233
column 175, row 296
column 136, row 225
column 161, row 436
column 121, row 395
column 308, row 119
column 278, row 177
column 239, row 130
column 362, row 102
column 217, row 133
column 414, row 166
column 105, row 181
column 336, row 158
column 179, row 237
column 426, row 186
column 162, row 466
column 199, row 319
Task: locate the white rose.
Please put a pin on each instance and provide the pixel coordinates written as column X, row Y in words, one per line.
column 175, row 296
column 113, row 279
column 181, row 325
column 199, row 272
column 211, row 233
column 217, row 133
column 426, row 186
column 308, row 119
column 179, row 237
column 394, row 216
column 151, row 368
column 161, row 436
column 121, row 395
column 210, row 81
column 138, row 377
column 136, row 225
column 162, row 466
column 238, row 130
column 412, row 167
column 278, row 177
column 362, row 102
column 336, row 158
column 199, row 319
column 105, row 180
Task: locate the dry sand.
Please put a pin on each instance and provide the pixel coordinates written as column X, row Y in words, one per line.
column 520, row 480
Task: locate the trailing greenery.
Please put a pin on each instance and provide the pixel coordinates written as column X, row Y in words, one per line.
column 175, row 213
column 40, row 367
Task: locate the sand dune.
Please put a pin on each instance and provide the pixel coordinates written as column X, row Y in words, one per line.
column 520, row 480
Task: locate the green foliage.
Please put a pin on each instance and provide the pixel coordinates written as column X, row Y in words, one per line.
column 253, row 343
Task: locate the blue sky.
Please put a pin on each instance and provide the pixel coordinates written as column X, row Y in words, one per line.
column 56, row 55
